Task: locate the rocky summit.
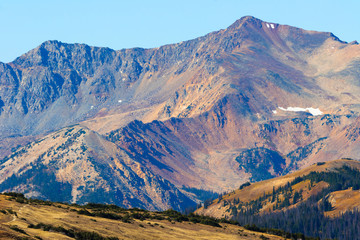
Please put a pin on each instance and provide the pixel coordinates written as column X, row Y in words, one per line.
column 163, row 127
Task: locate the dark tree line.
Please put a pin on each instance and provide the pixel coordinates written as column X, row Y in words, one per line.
column 308, row 217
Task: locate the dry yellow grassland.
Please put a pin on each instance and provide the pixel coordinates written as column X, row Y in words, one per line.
column 65, row 216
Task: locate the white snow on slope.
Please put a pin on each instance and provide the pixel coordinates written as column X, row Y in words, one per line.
column 272, row 25
column 268, row 26
column 313, row 111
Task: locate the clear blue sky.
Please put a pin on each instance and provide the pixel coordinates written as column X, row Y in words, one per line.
column 151, row 23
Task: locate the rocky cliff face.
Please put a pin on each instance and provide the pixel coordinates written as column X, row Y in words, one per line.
column 186, row 78
column 255, row 100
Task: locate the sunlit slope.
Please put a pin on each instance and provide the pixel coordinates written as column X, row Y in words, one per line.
column 48, row 220
column 272, row 193
column 78, row 165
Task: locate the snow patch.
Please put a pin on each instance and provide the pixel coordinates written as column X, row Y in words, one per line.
column 272, row 26
column 311, row 110
column 315, row 111
column 91, row 107
column 274, row 111
column 120, row 101
column 268, row 26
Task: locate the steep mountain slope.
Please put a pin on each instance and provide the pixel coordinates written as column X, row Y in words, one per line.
column 204, row 149
column 253, row 101
column 78, row 165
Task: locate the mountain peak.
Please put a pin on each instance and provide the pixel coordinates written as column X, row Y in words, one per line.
column 51, row 42
column 250, row 19
column 245, row 21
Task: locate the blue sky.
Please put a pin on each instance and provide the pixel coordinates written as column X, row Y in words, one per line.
column 144, row 23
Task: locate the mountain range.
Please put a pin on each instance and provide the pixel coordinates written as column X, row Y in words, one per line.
column 161, row 128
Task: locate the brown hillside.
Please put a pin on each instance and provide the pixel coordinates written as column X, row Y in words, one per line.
column 17, row 218
column 340, row 200
column 76, row 164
